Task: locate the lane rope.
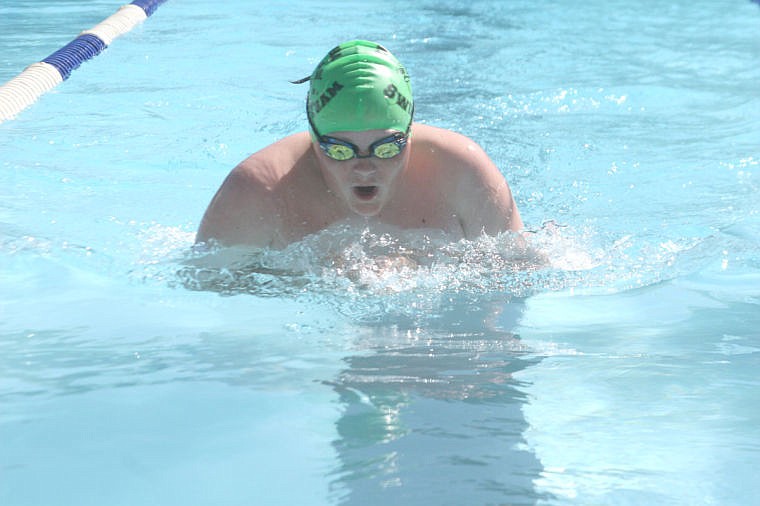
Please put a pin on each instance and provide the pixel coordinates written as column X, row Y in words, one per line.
column 41, row 77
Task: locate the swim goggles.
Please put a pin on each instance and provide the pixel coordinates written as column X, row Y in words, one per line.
column 384, row 148
column 341, row 150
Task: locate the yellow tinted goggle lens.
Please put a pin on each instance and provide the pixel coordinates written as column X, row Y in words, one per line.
column 342, row 150
column 339, row 152
column 387, row 150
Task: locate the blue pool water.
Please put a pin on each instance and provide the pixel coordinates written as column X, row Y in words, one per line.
column 625, row 372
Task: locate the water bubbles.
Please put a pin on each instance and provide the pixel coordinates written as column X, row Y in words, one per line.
column 374, row 274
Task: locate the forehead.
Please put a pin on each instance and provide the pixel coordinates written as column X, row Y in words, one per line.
column 363, row 138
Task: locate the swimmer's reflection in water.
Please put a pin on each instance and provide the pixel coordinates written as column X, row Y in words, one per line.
column 432, row 413
column 362, row 157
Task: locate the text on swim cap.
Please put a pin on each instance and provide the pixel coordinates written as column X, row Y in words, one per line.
column 392, row 92
column 325, row 97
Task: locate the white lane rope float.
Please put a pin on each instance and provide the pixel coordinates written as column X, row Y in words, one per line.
column 41, row 77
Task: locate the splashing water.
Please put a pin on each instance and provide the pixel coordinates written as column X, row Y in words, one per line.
column 373, row 273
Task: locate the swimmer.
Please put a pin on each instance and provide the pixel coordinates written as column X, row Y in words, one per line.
column 364, row 160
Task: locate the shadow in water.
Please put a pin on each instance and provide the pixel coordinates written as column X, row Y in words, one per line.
column 432, row 413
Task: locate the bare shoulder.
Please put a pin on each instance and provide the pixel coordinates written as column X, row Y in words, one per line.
column 446, row 142
column 272, row 163
column 245, row 209
column 457, row 158
column 476, row 186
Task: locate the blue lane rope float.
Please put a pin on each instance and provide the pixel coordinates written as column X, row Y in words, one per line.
column 73, row 54
column 39, row 78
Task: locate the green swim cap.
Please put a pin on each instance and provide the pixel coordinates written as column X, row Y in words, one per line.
column 359, row 86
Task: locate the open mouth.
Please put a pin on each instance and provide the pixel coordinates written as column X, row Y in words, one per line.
column 365, row 192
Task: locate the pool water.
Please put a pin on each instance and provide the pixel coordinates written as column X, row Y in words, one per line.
column 135, row 369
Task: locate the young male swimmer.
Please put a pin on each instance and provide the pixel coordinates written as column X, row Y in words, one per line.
column 363, row 157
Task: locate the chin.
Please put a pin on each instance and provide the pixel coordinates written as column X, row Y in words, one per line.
column 367, row 211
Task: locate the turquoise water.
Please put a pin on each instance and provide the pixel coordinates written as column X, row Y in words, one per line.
column 623, row 373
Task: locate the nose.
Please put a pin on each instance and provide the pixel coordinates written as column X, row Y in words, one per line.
column 364, row 168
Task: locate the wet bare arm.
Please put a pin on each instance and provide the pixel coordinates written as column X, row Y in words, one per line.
column 243, row 211
column 483, row 199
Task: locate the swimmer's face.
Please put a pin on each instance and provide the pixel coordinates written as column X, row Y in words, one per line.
column 365, row 185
